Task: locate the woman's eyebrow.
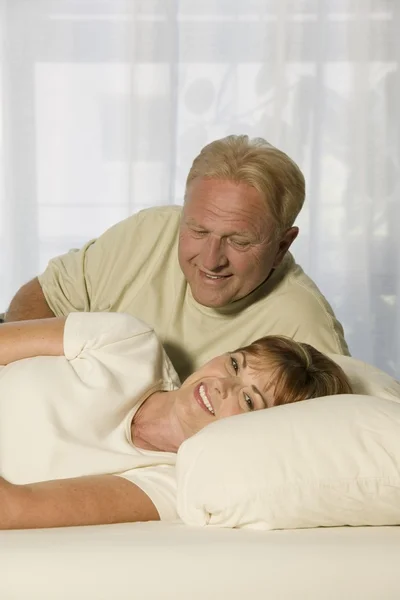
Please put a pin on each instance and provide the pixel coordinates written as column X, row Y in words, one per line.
column 253, row 387
column 257, row 391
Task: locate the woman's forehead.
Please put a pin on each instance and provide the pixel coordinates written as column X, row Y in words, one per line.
column 263, row 375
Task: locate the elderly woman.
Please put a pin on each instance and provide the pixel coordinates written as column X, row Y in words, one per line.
column 92, row 414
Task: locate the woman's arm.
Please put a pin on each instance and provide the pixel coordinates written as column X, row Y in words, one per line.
column 94, row 500
column 24, row 339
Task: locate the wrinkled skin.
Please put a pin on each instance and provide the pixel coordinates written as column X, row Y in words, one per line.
column 228, row 243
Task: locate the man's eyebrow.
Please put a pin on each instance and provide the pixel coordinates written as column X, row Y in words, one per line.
column 240, row 234
column 253, row 387
column 192, row 221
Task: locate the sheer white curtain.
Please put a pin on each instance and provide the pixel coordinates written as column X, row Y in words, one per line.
column 104, row 104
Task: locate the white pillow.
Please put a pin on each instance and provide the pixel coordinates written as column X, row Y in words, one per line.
column 366, row 379
column 324, row 462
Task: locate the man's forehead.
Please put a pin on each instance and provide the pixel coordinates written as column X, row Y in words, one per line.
column 226, row 207
column 227, row 222
column 221, row 188
column 224, row 195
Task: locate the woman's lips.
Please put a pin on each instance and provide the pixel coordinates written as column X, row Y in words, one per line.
column 203, row 399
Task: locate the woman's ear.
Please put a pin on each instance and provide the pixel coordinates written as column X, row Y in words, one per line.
column 284, row 244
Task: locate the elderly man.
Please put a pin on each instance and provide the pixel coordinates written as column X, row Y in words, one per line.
column 210, row 276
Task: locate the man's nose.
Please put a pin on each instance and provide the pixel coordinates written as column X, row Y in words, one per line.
column 213, row 255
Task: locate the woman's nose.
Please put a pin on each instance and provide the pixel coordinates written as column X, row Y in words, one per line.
column 226, row 386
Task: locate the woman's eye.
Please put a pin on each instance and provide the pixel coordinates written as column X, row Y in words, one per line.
column 235, row 364
column 249, row 402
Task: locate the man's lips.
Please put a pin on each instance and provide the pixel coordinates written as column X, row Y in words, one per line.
column 213, row 276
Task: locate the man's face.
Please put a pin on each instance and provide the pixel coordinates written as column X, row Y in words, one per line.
column 227, row 246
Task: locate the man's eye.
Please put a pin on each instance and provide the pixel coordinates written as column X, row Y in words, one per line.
column 239, row 243
column 199, row 232
column 234, row 364
column 249, row 401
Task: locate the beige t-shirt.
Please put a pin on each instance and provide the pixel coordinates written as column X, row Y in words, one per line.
column 133, row 267
column 70, row 416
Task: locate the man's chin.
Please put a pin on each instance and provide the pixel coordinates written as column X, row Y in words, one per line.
column 212, row 300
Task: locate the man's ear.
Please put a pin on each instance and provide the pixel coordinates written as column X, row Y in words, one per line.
column 284, row 244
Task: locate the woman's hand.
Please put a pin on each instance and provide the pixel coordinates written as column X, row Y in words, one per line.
column 25, row 339
column 93, row 500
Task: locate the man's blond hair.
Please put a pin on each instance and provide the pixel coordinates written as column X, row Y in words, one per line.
column 239, row 159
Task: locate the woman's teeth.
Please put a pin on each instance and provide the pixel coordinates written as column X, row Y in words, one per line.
column 203, row 396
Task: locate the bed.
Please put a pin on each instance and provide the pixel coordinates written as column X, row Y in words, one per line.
column 298, row 502
column 159, row 561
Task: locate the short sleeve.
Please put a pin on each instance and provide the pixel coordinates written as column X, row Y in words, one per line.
column 159, row 484
column 92, row 331
column 85, row 279
column 63, row 282
column 317, row 326
column 106, row 349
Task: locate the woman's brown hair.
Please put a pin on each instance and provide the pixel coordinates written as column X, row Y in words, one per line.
column 299, row 371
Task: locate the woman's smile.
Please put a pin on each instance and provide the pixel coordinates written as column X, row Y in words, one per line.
column 203, row 399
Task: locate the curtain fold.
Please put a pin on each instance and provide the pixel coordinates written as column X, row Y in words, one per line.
column 105, row 103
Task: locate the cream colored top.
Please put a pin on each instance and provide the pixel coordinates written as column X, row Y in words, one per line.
column 133, row 267
column 71, row 415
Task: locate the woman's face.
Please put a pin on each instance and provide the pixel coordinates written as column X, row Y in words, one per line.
column 225, row 386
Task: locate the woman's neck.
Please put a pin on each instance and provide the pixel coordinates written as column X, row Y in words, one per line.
column 154, row 427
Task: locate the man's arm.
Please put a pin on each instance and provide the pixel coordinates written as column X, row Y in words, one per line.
column 25, row 339
column 94, row 500
column 29, row 303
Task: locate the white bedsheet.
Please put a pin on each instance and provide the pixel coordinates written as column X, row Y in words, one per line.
column 157, row 561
